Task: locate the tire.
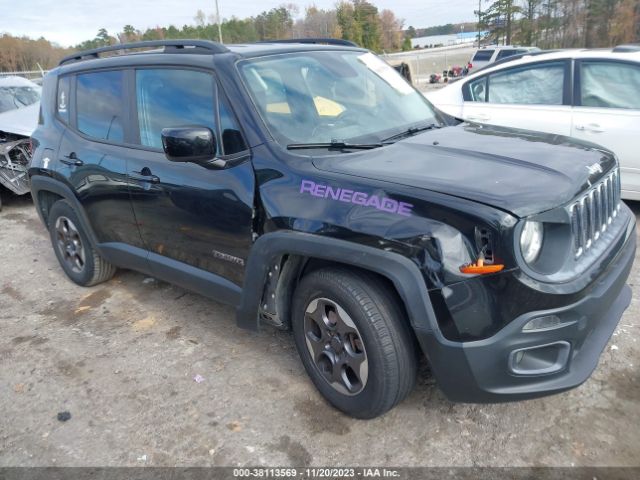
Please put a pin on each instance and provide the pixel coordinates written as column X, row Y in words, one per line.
column 77, row 257
column 360, row 387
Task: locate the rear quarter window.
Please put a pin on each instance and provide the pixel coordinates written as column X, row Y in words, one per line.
column 483, row 55
column 62, row 99
column 508, row 53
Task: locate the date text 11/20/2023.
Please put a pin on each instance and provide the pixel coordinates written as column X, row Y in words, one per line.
column 320, row 472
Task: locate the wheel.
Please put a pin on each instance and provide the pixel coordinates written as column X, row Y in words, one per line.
column 354, row 341
column 76, row 255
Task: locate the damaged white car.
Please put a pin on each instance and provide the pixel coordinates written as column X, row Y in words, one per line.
column 19, row 108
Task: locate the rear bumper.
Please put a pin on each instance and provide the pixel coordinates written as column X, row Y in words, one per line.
column 514, row 364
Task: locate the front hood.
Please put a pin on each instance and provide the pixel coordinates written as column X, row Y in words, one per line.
column 518, row 171
column 21, row 121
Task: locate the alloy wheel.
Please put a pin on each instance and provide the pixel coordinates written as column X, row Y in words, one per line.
column 69, row 244
column 336, row 346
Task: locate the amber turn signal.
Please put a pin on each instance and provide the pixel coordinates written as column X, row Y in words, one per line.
column 479, row 268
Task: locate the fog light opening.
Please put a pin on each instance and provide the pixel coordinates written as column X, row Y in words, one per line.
column 541, row 359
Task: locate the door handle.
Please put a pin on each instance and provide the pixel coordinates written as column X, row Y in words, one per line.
column 72, row 159
column 591, row 127
column 145, row 175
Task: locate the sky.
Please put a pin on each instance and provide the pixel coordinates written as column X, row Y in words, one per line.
column 69, row 22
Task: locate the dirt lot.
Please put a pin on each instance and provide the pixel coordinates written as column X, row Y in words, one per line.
column 122, row 357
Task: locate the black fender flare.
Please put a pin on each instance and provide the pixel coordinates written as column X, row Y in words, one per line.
column 41, row 183
column 401, row 271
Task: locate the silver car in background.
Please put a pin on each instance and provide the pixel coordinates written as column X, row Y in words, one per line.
column 19, row 108
column 487, row 55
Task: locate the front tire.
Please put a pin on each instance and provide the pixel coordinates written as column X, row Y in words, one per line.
column 354, row 341
column 77, row 257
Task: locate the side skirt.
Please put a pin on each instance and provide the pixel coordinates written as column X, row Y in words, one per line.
column 172, row 271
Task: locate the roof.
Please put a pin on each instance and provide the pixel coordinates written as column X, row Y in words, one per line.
column 190, row 52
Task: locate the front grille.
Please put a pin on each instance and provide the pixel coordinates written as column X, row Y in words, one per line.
column 593, row 212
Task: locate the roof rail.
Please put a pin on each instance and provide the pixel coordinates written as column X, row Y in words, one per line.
column 629, row 47
column 321, row 41
column 170, row 46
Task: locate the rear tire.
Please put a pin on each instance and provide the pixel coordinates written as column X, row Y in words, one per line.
column 77, row 257
column 354, row 341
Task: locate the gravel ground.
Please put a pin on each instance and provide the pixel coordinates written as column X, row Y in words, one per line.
column 121, row 358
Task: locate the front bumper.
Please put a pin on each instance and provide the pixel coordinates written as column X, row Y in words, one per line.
column 557, row 359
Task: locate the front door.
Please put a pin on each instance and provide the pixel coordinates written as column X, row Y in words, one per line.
column 200, row 216
column 92, row 156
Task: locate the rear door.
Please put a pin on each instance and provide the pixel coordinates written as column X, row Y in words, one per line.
column 534, row 96
column 92, row 157
column 200, row 216
column 607, row 112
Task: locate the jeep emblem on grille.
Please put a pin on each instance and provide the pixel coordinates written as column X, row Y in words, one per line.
column 595, row 168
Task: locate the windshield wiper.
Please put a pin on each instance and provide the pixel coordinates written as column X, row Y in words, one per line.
column 411, row 131
column 334, row 144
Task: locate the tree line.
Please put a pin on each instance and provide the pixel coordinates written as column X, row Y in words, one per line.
column 552, row 24
column 542, row 23
column 21, row 53
column 357, row 20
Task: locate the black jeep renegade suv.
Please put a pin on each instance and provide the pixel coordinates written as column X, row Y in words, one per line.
column 314, row 189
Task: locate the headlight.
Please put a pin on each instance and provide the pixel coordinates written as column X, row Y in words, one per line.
column 531, row 240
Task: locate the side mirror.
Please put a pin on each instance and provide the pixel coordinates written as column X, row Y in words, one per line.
column 189, row 144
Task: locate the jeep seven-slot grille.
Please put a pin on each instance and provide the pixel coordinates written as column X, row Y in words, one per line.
column 593, row 212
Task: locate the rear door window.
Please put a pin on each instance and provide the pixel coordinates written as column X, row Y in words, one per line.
column 610, row 85
column 100, row 105
column 540, row 84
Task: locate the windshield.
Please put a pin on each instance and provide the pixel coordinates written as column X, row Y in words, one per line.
column 12, row 98
column 346, row 96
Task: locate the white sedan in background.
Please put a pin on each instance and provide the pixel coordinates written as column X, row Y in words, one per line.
column 592, row 95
